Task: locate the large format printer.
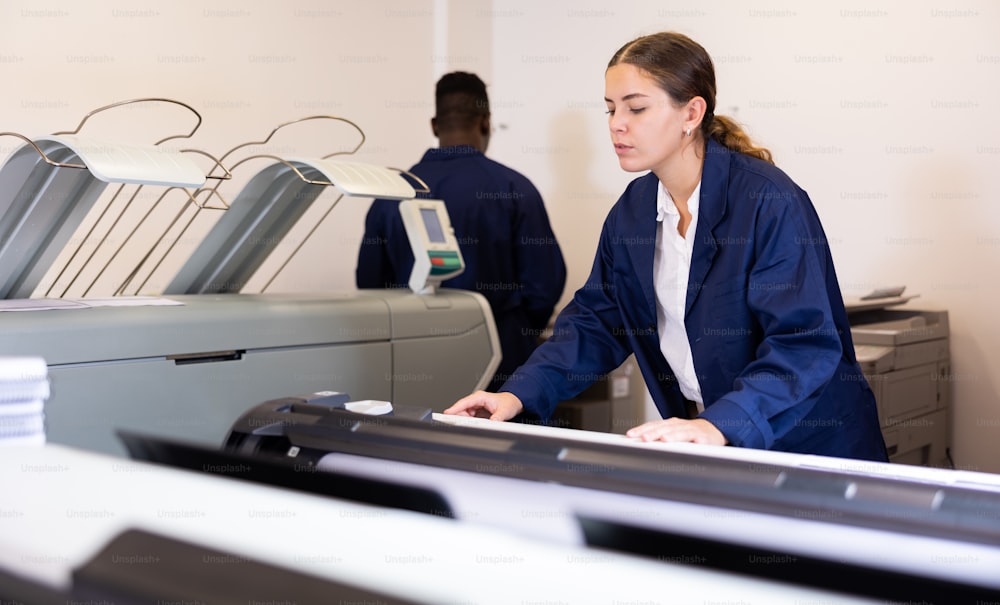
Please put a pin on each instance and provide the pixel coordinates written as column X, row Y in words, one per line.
column 85, row 527
column 187, row 370
column 899, row 533
column 419, row 507
column 184, row 363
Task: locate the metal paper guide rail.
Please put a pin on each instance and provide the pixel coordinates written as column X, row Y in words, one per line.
column 49, row 185
column 263, row 213
column 270, row 204
column 42, row 205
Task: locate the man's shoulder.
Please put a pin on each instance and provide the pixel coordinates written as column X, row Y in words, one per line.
column 382, row 209
column 511, row 174
column 443, row 164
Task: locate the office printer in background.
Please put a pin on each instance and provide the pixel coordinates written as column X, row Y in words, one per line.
column 904, row 353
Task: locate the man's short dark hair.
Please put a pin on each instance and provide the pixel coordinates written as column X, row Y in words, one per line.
column 460, row 99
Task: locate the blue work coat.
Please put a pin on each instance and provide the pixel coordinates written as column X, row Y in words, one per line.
column 769, row 335
column 511, row 255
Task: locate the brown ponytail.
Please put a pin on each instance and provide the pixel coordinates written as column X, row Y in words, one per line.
column 731, row 136
column 683, row 69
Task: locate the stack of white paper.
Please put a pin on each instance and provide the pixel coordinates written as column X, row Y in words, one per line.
column 24, row 387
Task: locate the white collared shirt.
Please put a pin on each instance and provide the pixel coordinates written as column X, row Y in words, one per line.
column 671, row 269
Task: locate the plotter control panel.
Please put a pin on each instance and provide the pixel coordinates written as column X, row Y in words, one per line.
column 436, row 255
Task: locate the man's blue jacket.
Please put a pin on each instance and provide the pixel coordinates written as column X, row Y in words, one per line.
column 511, row 255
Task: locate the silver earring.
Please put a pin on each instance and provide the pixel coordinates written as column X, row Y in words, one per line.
column 687, row 132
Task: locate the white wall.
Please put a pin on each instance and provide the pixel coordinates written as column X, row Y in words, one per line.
column 883, row 111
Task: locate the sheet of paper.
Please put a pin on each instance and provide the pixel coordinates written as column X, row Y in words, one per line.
column 128, row 301
column 48, row 304
column 39, row 304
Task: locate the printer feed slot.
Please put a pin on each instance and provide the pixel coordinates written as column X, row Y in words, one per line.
column 283, row 472
column 210, row 357
column 777, row 564
column 185, row 572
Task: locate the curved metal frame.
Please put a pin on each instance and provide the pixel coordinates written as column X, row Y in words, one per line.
column 227, row 174
column 42, row 154
column 140, row 100
column 200, row 198
column 214, row 190
column 325, row 214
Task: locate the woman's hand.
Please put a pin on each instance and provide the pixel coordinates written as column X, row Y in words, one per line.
column 481, row 404
column 697, row 430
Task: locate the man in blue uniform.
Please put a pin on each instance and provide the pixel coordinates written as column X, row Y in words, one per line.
column 511, row 254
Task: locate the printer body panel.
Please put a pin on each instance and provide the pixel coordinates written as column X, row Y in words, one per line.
column 197, row 401
column 186, row 371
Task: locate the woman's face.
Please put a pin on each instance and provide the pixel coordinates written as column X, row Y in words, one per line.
column 647, row 129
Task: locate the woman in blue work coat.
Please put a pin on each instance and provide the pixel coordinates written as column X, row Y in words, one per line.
column 714, row 270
